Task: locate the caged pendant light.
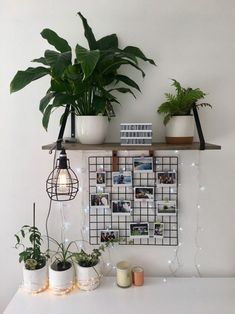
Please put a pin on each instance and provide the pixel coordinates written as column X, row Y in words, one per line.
column 62, row 183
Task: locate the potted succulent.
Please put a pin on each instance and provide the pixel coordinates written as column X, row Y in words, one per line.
column 35, row 274
column 86, row 84
column 88, row 267
column 177, row 109
column 61, row 270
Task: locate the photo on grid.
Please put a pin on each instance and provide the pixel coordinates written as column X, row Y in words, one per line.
column 100, row 178
column 100, row 200
column 142, row 193
column 158, row 230
column 166, row 208
column 166, row 179
column 139, row 230
column 109, row 235
column 143, row 164
column 122, row 178
column 121, row 207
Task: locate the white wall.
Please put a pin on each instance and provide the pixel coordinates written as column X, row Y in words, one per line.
column 192, row 41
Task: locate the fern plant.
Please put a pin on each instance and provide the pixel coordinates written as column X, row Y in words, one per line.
column 182, row 102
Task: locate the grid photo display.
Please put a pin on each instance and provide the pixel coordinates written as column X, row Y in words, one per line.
column 134, row 205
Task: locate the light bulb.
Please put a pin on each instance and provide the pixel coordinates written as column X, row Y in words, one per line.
column 62, row 181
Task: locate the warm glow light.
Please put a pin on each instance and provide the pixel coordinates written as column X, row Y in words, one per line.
column 62, row 182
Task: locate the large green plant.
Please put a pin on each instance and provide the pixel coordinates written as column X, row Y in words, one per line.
column 181, row 103
column 83, row 83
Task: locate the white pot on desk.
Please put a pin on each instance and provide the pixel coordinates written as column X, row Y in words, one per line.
column 88, row 278
column 61, row 281
column 36, row 280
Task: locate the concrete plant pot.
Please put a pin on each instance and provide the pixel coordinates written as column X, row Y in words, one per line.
column 88, row 278
column 180, row 130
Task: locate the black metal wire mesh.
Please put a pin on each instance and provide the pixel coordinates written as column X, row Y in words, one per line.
column 102, row 218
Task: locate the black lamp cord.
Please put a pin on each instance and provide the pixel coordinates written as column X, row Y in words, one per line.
column 49, row 209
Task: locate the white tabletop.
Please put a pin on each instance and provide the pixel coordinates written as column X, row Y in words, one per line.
column 176, row 296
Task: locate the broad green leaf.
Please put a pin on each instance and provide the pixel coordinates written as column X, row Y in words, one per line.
column 123, row 90
column 46, row 116
column 45, row 101
column 58, row 61
column 138, row 53
column 23, row 78
column 88, row 33
column 125, row 79
column 40, row 60
column 62, row 99
column 108, row 42
column 88, row 60
column 53, row 39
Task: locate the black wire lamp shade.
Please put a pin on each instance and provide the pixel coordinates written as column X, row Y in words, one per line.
column 62, row 183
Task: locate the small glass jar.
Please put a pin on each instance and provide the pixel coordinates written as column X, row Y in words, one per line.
column 124, row 279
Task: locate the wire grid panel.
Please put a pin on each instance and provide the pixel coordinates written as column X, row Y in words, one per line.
column 142, row 211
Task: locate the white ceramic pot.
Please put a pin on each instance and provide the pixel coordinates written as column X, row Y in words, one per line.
column 88, row 278
column 180, row 130
column 61, row 282
column 35, row 281
column 91, row 129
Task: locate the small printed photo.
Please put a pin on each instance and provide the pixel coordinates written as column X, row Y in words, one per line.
column 158, row 230
column 100, row 200
column 107, row 235
column 143, row 164
column 166, row 208
column 139, row 230
column 144, row 194
column 121, row 207
column 166, row 178
column 122, row 178
column 100, row 178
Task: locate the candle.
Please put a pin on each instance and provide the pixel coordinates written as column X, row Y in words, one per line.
column 138, row 276
column 123, row 274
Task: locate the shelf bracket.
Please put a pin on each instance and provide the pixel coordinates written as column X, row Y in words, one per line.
column 199, row 128
column 114, row 160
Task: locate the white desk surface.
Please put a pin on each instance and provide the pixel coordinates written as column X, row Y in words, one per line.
column 176, row 296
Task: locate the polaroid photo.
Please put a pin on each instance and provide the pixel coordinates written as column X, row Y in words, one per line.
column 121, row 208
column 107, row 235
column 122, row 178
column 144, row 193
column 158, row 230
column 143, row 164
column 101, row 178
column 101, row 200
column 139, row 230
column 166, row 208
column 166, row 179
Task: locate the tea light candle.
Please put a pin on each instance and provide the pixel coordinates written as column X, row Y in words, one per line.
column 138, row 276
column 123, row 274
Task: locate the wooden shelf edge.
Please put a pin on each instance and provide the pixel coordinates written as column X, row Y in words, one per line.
column 118, row 147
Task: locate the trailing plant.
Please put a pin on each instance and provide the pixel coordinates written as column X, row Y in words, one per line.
column 31, row 255
column 182, row 102
column 91, row 259
column 62, row 255
column 85, row 82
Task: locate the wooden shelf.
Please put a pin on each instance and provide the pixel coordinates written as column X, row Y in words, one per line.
column 118, row 147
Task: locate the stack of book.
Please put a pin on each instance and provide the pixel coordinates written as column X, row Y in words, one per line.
column 136, row 133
